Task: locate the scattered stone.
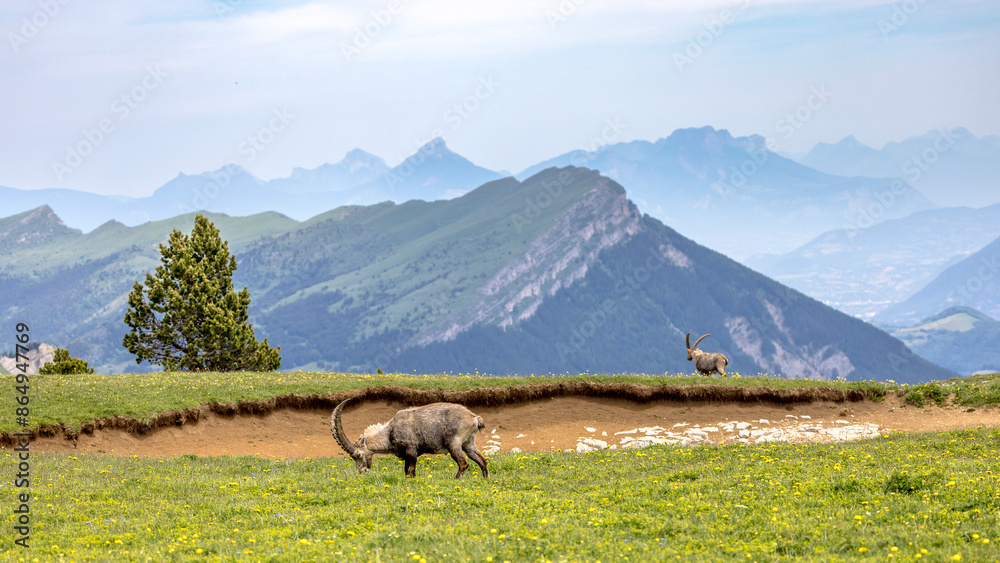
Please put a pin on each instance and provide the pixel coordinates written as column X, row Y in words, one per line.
column 588, row 429
column 742, row 425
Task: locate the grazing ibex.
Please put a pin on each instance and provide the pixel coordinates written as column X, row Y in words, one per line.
column 706, row 362
column 430, row 429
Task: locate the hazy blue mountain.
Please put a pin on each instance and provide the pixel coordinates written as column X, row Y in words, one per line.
column 433, row 172
column 734, row 195
column 356, row 168
column 950, row 166
column 961, row 339
column 556, row 273
column 862, row 272
column 973, row 282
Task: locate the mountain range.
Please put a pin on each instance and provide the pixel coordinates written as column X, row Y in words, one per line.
column 557, row 272
column 864, row 272
column 961, row 339
column 434, row 172
column 703, row 182
column 952, row 167
column 736, row 196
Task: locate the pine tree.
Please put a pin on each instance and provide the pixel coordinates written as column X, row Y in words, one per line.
column 63, row 363
column 187, row 316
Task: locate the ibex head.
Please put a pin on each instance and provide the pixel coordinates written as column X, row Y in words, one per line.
column 692, row 349
column 359, row 452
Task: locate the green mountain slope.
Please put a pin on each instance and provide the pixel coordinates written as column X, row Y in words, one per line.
column 72, row 288
column 634, row 307
column 961, row 339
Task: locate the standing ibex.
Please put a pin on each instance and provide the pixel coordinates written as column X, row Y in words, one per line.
column 706, row 362
column 430, row 429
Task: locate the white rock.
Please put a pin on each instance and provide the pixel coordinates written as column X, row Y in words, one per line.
column 633, row 431
column 742, row 425
column 582, row 448
column 805, row 416
column 696, row 434
column 595, row 443
column 515, row 450
column 588, row 429
column 744, row 433
column 841, row 422
column 790, row 416
column 764, row 421
column 520, row 435
column 710, row 429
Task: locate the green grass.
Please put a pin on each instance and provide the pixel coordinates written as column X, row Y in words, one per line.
column 74, row 399
column 900, row 497
column 973, row 391
column 914, row 497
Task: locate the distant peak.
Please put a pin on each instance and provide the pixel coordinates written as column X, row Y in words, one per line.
column 849, row 140
column 706, row 132
column 434, row 149
column 358, row 156
column 35, row 225
column 713, row 139
column 848, row 143
column 434, row 146
column 43, row 212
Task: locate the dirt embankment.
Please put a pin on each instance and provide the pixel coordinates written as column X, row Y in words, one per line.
column 528, row 417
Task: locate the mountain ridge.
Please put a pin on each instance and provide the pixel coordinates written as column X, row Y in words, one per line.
column 706, row 183
column 933, row 162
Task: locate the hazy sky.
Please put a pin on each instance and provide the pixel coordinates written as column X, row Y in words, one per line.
column 119, row 97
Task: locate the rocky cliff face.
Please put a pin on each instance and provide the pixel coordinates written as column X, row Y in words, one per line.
column 555, row 260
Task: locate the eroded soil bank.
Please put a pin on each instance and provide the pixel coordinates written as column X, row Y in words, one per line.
column 531, row 418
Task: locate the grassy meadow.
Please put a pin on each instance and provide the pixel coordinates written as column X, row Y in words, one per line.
column 899, row 497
